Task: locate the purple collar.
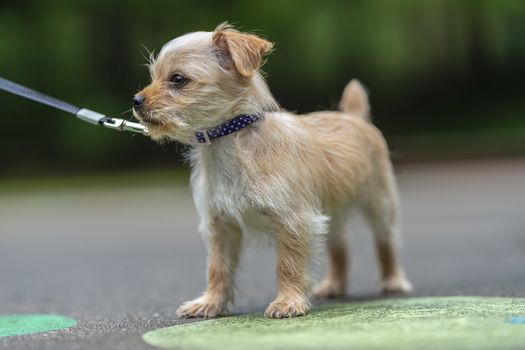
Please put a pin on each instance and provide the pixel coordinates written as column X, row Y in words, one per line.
column 235, row 124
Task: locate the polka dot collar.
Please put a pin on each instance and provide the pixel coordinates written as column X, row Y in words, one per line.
column 229, row 127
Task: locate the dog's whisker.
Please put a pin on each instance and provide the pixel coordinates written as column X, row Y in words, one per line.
column 130, row 110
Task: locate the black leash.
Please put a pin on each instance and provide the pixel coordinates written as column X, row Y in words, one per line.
column 81, row 113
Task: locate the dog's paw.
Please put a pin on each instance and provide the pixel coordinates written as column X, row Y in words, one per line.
column 329, row 288
column 396, row 284
column 204, row 307
column 286, row 308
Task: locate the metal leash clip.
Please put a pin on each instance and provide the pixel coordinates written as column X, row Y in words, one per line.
column 111, row 123
column 124, row 125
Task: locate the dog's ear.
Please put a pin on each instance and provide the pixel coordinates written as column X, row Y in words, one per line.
column 243, row 51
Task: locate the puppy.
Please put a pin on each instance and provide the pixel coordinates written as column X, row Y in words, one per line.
column 255, row 165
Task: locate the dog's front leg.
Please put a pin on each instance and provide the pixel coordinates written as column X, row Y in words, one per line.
column 293, row 249
column 225, row 240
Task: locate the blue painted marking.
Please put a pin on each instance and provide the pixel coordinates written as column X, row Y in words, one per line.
column 517, row 319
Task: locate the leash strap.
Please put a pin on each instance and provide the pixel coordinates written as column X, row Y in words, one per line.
column 30, row 94
column 84, row 114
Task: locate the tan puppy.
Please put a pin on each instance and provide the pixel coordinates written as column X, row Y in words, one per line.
column 294, row 175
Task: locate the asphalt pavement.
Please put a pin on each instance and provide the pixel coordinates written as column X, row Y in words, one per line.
column 121, row 260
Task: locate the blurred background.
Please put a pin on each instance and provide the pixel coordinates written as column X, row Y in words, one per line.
column 445, row 77
column 99, row 225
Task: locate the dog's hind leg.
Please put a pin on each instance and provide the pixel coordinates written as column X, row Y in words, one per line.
column 381, row 211
column 333, row 285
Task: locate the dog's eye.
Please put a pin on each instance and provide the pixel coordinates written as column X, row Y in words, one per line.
column 178, row 80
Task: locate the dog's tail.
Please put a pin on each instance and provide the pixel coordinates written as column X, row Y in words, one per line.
column 355, row 100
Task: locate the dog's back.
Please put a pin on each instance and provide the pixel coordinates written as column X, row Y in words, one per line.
column 347, row 150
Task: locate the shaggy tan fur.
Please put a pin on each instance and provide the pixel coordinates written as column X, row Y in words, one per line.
column 294, row 175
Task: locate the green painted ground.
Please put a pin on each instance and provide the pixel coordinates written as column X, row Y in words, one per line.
column 418, row 323
column 11, row 325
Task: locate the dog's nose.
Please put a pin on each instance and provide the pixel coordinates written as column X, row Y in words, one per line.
column 138, row 100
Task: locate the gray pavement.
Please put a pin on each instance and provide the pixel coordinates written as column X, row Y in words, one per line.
column 120, row 261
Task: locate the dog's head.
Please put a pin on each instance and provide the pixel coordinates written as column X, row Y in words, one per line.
column 199, row 80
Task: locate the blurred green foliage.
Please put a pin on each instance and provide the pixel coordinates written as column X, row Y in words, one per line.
column 430, row 66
